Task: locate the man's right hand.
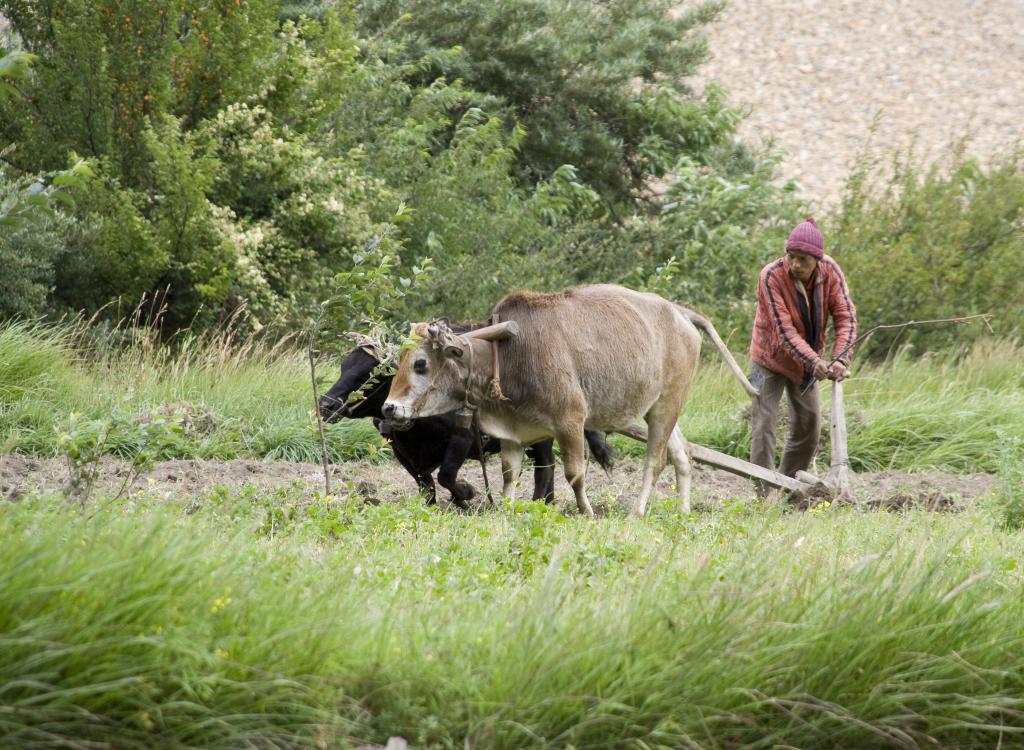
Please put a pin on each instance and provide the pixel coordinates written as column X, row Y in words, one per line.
column 820, row 371
column 838, row 371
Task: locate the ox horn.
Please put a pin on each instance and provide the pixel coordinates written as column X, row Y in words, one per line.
column 496, row 332
column 437, row 328
column 440, row 334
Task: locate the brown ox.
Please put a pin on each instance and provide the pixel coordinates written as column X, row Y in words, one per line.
column 602, row 357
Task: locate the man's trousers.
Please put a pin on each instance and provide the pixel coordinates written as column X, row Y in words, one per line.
column 804, row 422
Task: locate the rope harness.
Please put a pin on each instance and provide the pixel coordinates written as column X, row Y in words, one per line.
column 468, row 417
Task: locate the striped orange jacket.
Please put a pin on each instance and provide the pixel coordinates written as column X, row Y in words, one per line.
column 787, row 339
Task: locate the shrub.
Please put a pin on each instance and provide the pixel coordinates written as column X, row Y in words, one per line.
column 109, row 250
column 931, row 243
column 720, row 224
column 1010, row 495
column 27, row 252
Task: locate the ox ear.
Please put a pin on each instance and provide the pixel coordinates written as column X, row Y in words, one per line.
column 496, row 332
column 453, row 349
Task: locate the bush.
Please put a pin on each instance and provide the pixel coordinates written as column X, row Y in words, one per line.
column 486, row 234
column 27, row 252
column 721, row 223
column 932, row 243
column 201, row 265
column 109, row 250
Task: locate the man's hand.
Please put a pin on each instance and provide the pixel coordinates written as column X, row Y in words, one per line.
column 821, row 370
column 838, row 371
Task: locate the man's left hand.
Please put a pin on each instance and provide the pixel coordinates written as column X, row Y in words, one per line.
column 838, row 371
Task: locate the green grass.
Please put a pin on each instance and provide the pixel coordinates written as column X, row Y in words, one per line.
column 949, row 411
column 277, row 620
column 243, row 399
column 270, row 618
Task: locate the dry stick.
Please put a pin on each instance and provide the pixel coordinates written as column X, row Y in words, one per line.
column 316, row 402
column 964, row 319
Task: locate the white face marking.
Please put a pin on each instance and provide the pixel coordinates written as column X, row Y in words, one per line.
column 428, row 384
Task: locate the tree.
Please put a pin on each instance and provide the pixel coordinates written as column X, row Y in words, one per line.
column 600, row 86
column 27, row 213
column 104, row 67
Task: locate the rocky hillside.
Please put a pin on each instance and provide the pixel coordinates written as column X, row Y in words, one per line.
column 817, row 75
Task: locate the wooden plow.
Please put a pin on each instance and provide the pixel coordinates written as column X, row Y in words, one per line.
column 836, row 483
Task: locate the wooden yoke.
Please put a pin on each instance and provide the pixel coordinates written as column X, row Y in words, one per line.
column 494, row 333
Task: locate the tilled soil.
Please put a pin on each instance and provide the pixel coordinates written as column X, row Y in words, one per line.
column 387, row 481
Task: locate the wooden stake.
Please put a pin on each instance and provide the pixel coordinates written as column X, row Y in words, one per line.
column 838, row 477
column 316, row 403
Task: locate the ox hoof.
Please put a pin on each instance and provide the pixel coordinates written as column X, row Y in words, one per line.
column 462, row 495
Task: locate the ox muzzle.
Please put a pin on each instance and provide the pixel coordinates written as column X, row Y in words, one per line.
column 399, row 415
column 332, row 409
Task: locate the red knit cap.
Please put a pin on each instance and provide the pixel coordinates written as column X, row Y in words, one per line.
column 807, row 238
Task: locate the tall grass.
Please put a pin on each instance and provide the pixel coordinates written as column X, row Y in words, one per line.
column 146, row 627
column 947, row 410
column 243, row 398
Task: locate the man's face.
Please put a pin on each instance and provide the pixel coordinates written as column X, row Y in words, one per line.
column 802, row 265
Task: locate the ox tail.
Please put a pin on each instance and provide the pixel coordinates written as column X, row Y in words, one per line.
column 599, row 449
column 704, row 324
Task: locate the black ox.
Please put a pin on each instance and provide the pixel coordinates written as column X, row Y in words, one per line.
column 437, row 441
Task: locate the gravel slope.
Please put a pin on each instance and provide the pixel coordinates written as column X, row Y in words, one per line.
column 816, row 74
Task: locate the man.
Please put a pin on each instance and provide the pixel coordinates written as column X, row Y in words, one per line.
column 795, row 296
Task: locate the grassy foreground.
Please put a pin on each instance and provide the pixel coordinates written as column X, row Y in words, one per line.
column 951, row 411
column 206, row 623
column 249, row 619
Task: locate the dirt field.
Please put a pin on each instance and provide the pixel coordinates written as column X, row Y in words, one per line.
column 387, row 481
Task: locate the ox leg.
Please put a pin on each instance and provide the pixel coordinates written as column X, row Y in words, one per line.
column 681, row 462
column 658, row 433
column 511, row 465
column 423, row 478
column 677, row 451
column 543, row 455
column 575, row 463
column 454, row 456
